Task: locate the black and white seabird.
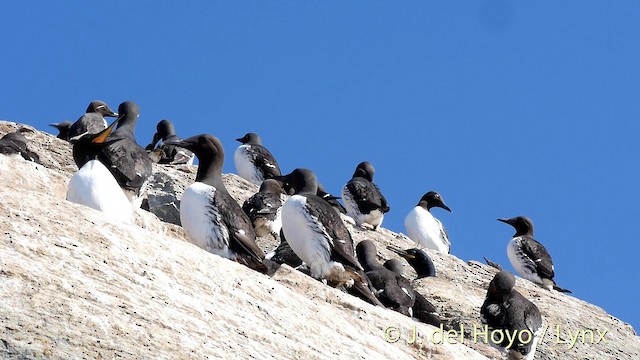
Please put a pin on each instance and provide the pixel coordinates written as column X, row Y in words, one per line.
column 528, row 257
column 507, row 310
column 264, row 209
column 210, row 216
column 168, row 154
column 16, row 144
column 93, row 185
column 418, row 259
column 316, row 233
column 92, row 121
column 253, row 161
column 63, row 129
column 128, row 162
column 424, row 228
column 393, row 290
column 363, row 199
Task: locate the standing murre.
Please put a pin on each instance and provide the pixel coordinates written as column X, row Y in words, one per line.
column 253, row 161
column 363, row 199
column 528, row 257
column 316, row 233
column 128, row 162
column 505, row 309
column 264, row 209
column 211, row 218
column 93, row 185
column 92, row 121
column 424, row 228
column 168, row 154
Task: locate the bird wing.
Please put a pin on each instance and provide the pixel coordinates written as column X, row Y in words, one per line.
column 128, row 162
column 242, row 236
column 367, row 195
column 338, row 237
column 539, row 255
column 265, row 161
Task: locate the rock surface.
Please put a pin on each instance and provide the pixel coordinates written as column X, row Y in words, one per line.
column 75, row 284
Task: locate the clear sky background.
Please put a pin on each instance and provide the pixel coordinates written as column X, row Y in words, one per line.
column 505, row 107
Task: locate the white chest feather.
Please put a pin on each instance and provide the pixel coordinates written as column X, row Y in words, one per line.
column 306, row 236
column 202, row 221
column 95, row 187
column 244, row 165
column 524, row 265
column 426, row 230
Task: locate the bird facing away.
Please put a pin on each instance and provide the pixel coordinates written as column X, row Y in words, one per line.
column 63, row 129
column 212, row 219
column 168, row 154
column 418, row 259
column 505, row 309
column 528, row 257
column 92, row 121
column 127, row 161
column 424, row 228
column 253, row 161
column 264, row 209
column 16, row 144
column 315, row 231
column 93, row 185
column 363, row 199
column 393, row 290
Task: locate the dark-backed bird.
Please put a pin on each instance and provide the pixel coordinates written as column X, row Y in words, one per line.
column 316, row 233
column 210, row 216
column 418, row 259
column 92, row 121
column 528, row 257
column 264, row 209
column 164, row 153
column 93, row 185
column 363, row 199
column 506, row 310
column 63, row 129
column 393, row 290
column 424, row 228
column 128, row 162
column 423, row 310
column 253, row 161
column 15, row 143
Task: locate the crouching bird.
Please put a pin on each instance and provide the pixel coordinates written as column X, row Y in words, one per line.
column 508, row 312
column 212, row 219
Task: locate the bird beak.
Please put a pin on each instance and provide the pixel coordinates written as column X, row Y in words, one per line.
column 239, row 139
column 104, row 134
column 507, row 221
column 401, row 252
column 445, row 207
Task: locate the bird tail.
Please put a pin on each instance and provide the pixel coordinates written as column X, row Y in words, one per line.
column 558, row 288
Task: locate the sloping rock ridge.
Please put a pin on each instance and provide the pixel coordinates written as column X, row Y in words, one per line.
column 74, row 284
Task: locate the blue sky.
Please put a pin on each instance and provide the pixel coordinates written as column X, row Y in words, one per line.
column 506, row 108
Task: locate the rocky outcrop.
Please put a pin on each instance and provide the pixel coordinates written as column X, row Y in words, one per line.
column 75, row 284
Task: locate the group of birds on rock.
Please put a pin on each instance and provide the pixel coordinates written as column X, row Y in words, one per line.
column 313, row 236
